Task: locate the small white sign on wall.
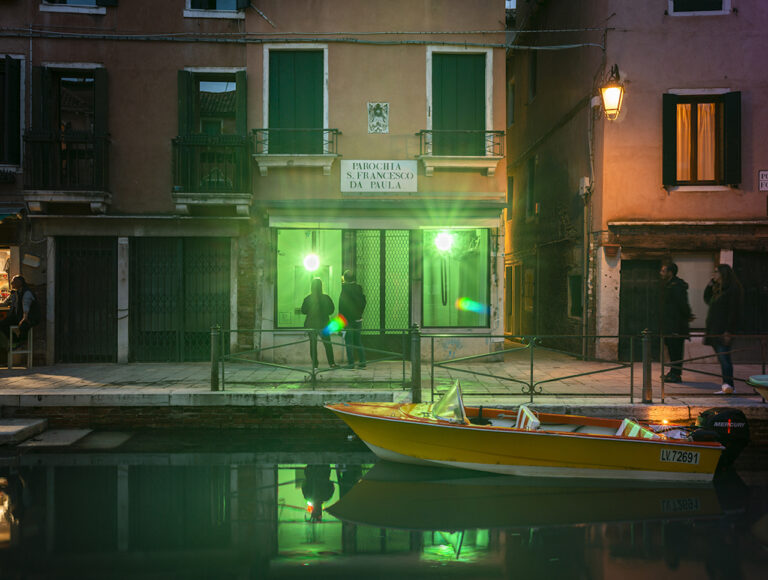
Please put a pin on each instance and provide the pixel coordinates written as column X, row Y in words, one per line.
column 379, row 176
column 763, row 179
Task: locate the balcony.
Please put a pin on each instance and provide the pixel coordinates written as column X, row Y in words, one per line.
column 460, row 149
column 212, row 170
column 295, row 148
column 66, row 167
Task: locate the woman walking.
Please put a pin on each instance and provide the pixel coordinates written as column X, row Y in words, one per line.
column 318, row 307
column 723, row 294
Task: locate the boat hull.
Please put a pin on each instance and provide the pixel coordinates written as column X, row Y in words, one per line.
column 527, row 453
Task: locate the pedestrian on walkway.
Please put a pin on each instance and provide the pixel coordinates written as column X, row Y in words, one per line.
column 675, row 318
column 24, row 310
column 318, row 307
column 724, row 296
column 351, row 306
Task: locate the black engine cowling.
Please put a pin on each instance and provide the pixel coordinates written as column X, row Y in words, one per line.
column 726, row 425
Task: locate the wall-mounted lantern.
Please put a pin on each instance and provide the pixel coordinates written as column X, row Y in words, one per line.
column 612, row 94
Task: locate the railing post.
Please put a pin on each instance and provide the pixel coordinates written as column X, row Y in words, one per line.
column 215, row 336
column 647, row 389
column 415, row 364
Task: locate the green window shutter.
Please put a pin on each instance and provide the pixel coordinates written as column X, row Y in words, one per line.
column 669, row 139
column 101, row 105
column 458, row 104
column 296, row 101
column 12, row 111
column 43, row 99
column 186, row 108
column 732, row 148
column 106, row 2
column 241, row 106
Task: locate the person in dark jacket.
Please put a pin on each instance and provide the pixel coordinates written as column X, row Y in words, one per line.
column 318, row 307
column 723, row 294
column 675, row 318
column 24, row 311
column 351, row 306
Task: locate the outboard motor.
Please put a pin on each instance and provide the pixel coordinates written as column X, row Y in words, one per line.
column 727, row 426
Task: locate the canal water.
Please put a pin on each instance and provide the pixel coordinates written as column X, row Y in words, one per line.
column 237, row 505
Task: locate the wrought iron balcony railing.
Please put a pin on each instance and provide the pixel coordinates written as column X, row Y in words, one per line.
column 211, row 164
column 296, row 141
column 461, row 143
column 66, row 161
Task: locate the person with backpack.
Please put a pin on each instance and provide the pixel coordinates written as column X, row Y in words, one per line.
column 351, row 306
column 318, row 307
column 24, row 310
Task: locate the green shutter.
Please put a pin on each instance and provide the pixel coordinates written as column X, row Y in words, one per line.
column 43, row 99
column 296, row 101
column 732, row 149
column 101, row 105
column 458, row 103
column 186, row 109
column 12, row 111
column 241, row 106
column 669, row 140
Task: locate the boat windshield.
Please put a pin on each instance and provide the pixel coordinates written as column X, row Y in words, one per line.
column 450, row 407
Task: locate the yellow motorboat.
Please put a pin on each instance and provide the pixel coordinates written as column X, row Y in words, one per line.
column 524, row 442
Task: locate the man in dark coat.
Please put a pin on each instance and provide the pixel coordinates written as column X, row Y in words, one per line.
column 675, row 318
column 351, row 306
column 24, row 310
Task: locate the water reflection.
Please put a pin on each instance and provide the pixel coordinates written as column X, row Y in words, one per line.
column 203, row 513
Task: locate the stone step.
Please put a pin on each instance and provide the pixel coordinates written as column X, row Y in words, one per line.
column 13, row 431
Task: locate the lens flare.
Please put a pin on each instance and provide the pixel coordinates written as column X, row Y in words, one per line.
column 469, row 305
column 444, row 241
column 312, row 262
column 337, row 324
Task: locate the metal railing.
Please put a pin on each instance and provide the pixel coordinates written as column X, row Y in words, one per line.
column 211, row 164
column 322, row 141
column 66, row 161
column 471, row 143
column 741, row 344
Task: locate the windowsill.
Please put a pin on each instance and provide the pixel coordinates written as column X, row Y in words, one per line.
column 432, row 162
column 700, row 188
column 704, row 13
column 37, row 199
column 266, row 161
column 241, row 201
column 231, row 14
column 73, row 9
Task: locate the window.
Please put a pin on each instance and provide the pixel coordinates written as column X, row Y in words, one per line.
column 533, row 72
column 531, row 204
column 295, row 272
column 458, row 102
column 702, row 140
column 297, row 102
column 510, row 103
column 695, row 7
column 216, row 8
column 85, row 6
column 455, row 278
column 575, row 295
column 10, row 112
column 510, row 195
column 212, row 103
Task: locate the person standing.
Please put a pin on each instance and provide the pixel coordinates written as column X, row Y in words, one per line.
column 675, row 318
column 318, row 307
column 24, row 310
column 351, row 306
column 723, row 294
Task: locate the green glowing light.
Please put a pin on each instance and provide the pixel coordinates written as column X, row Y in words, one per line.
column 312, row 262
column 444, row 241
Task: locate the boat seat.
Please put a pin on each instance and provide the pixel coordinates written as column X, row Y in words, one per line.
column 594, row 430
column 630, row 428
column 526, row 419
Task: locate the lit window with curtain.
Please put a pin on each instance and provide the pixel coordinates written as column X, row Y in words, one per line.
column 702, row 139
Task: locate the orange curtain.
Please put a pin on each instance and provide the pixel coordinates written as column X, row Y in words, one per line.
column 705, row 165
column 683, row 142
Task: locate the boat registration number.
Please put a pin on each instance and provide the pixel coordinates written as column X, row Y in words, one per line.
column 677, row 456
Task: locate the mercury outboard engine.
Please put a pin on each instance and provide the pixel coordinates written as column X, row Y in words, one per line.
column 727, row 426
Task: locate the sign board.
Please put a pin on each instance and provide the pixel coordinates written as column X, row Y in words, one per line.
column 763, row 179
column 377, row 176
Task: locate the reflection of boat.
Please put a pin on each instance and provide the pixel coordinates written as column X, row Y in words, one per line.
column 528, row 443
column 760, row 384
column 424, row 498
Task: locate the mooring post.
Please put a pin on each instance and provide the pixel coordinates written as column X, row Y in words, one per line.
column 215, row 336
column 415, row 364
column 647, row 388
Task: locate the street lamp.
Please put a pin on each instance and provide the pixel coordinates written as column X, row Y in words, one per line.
column 612, row 94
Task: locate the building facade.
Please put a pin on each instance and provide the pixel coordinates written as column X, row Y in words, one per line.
column 167, row 167
column 679, row 175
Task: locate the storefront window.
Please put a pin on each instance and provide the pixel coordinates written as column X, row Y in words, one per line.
column 301, row 256
column 455, row 286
